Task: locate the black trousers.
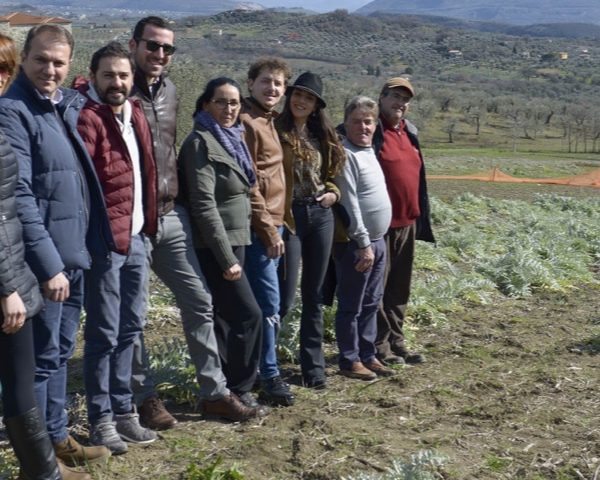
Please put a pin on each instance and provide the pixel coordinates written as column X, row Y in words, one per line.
column 311, row 246
column 400, row 244
column 238, row 321
column 17, row 371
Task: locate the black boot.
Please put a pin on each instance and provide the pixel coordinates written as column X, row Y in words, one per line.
column 32, row 446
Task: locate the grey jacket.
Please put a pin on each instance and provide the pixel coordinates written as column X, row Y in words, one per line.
column 217, row 193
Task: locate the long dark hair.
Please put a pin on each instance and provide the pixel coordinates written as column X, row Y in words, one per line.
column 321, row 127
column 209, row 91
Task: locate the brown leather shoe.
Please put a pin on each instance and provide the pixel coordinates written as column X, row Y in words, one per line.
column 67, row 473
column 154, row 415
column 230, row 408
column 358, row 371
column 377, row 367
column 72, row 453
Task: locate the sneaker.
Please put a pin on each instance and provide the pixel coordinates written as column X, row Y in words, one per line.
column 72, row 453
column 359, row 372
column 154, row 415
column 378, row 368
column 105, row 433
column 229, row 408
column 130, row 430
column 276, row 392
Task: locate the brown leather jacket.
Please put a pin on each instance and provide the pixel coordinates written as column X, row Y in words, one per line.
column 268, row 197
column 160, row 106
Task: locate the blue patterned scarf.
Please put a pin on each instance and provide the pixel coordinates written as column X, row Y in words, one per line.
column 232, row 140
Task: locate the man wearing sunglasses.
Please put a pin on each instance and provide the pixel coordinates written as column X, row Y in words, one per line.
column 172, row 253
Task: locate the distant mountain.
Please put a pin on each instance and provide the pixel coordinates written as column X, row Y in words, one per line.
column 514, row 12
column 200, row 7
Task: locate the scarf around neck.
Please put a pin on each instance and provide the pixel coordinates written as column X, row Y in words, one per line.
column 232, row 140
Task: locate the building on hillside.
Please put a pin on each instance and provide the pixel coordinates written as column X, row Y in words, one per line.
column 563, row 55
column 17, row 24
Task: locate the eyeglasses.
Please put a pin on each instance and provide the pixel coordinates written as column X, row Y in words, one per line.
column 153, row 46
column 222, row 103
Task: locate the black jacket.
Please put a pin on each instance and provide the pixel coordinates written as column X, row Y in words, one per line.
column 15, row 274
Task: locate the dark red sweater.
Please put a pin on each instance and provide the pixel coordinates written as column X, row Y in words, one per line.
column 401, row 165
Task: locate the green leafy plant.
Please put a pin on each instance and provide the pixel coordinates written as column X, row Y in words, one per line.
column 212, row 471
column 422, row 465
column 173, row 370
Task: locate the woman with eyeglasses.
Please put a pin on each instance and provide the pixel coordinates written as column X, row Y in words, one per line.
column 312, row 156
column 217, row 178
column 20, row 299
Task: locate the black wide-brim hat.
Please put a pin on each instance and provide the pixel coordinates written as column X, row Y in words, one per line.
column 311, row 83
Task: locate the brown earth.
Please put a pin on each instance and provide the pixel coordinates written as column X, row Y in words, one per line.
column 510, row 391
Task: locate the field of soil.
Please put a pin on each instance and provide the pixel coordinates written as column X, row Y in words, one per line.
column 510, row 390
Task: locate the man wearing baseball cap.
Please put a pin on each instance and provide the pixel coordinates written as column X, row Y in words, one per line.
column 397, row 148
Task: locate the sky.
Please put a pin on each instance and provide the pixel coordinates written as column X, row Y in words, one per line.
column 317, row 5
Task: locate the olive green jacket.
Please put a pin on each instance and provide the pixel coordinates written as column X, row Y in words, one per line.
column 217, row 193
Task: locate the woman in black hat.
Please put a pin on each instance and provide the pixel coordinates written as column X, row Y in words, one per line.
column 313, row 156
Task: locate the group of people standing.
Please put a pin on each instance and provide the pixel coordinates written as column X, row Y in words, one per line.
column 94, row 195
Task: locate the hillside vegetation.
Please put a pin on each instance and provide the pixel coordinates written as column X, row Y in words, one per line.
column 474, row 88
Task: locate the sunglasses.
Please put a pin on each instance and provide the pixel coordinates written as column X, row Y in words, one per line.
column 153, row 46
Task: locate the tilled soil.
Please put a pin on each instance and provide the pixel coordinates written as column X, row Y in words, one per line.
column 509, row 391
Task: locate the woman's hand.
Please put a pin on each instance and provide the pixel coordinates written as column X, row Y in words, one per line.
column 14, row 313
column 365, row 259
column 327, row 199
column 233, row 273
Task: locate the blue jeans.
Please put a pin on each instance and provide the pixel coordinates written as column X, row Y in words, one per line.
column 54, row 332
column 359, row 294
column 115, row 305
column 262, row 275
column 311, row 244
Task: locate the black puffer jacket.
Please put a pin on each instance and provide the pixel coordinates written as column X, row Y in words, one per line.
column 15, row 274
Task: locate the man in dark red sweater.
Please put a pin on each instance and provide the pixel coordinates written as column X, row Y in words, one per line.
column 399, row 154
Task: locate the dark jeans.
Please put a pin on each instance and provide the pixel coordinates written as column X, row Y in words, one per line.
column 238, row 321
column 115, row 305
column 359, row 294
column 17, row 371
column 311, row 244
column 54, row 333
column 400, row 244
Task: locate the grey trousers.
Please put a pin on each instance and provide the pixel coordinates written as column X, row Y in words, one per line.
column 174, row 261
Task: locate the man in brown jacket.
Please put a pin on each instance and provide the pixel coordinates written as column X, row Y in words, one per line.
column 267, row 81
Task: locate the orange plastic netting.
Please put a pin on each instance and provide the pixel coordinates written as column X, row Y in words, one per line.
column 590, row 179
